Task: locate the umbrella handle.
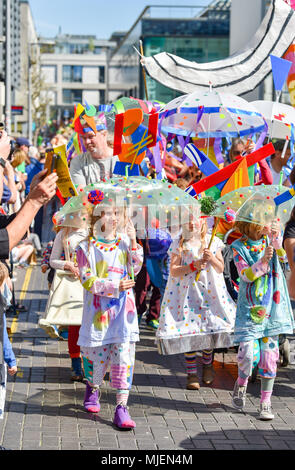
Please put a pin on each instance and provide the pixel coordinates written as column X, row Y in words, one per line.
column 210, row 243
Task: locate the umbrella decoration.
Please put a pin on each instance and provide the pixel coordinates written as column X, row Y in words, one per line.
column 254, row 204
column 239, row 73
column 222, row 115
column 279, row 118
column 151, row 203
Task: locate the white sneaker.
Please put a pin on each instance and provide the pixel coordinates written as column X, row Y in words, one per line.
column 265, row 412
column 239, row 396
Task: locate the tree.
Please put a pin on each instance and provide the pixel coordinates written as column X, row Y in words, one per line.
column 41, row 96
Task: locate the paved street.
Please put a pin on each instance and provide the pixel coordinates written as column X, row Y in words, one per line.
column 45, row 409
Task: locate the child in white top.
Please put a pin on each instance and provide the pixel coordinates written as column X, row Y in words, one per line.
column 109, row 330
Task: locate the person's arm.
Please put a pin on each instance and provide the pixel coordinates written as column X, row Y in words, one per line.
column 8, row 353
column 55, row 258
column 266, row 174
column 216, row 261
column 177, row 269
column 9, row 173
column 251, row 273
column 55, row 261
column 4, row 153
column 96, row 285
column 289, row 245
column 42, row 190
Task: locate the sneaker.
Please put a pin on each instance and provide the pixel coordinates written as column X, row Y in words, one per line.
column 91, row 399
column 265, row 412
column 122, row 418
column 51, row 330
column 153, row 324
column 208, row 374
column 192, row 382
column 23, row 264
column 63, row 334
column 239, row 396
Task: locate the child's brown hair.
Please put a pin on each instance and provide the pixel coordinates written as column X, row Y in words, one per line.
column 247, row 228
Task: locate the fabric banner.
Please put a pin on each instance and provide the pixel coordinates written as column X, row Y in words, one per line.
column 237, row 74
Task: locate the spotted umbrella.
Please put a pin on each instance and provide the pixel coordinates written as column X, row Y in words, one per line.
column 211, row 114
column 150, row 203
column 254, row 204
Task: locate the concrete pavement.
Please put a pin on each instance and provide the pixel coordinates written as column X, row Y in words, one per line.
column 44, row 409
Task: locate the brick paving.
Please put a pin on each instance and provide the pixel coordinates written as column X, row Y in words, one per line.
column 44, row 409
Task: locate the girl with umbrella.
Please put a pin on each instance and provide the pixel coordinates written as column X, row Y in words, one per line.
column 107, row 262
column 263, row 308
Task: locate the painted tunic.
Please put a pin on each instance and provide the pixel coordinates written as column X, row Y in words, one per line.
column 109, row 316
column 195, row 315
column 263, row 307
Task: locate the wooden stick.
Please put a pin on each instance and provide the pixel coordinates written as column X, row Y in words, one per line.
column 143, row 71
column 210, row 243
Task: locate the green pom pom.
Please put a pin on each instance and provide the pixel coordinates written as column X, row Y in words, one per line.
column 208, row 205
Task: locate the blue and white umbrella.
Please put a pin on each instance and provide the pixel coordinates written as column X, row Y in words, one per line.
column 211, row 114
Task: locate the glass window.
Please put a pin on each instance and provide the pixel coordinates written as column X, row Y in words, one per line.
column 66, row 73
column 101, row 74
column 71, row 96
column 101, row 96
column 72, row 73
column 77, row 73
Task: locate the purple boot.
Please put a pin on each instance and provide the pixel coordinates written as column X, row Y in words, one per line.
column 91, row 401
column 122, row 418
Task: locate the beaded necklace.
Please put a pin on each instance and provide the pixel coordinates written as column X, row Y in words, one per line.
column 105, row 246
column 257, row 248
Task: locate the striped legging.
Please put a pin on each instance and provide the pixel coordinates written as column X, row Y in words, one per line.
column 191, row 360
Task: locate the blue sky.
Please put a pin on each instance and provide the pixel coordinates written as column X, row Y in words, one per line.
column 96, row 17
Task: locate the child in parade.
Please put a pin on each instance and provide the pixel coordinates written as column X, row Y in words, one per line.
column 196, row 315
column 109, row 327
column 7, row 357
column 62, row 257
column 263, row 310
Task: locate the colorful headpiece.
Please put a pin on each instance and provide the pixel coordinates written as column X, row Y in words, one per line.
column 95, row 197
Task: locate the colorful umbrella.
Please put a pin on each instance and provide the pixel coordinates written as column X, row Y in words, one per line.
column 151, row 203
column 278, row 116
column 124, row 103
column 254, row 204
column 211, row 114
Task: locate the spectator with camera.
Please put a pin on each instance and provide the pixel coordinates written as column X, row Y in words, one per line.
column 42, row 189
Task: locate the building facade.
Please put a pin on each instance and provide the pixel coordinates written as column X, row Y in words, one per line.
column 15, row 57
column 76, row 69
column 193, row 33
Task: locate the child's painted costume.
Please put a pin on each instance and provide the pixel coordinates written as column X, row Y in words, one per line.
column 195, row 315
column 263, row 307
column 109, row 316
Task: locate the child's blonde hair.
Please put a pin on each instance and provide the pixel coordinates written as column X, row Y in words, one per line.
column 19, row 156
column 204, row 229
column 4, row 274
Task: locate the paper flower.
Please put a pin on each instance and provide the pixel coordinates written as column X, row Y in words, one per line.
column 229, row 215
column 95, row 197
